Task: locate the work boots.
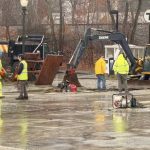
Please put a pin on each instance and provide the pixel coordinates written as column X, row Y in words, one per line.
column 25, row 97
column 2, row 97
column 22, row 98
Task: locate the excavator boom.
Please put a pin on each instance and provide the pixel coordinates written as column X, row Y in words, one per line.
column 101, row 35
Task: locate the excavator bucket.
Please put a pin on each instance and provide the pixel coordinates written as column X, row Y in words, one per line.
column 71, row 77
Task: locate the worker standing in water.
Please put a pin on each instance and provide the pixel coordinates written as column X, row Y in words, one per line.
column 2, row 74
column 100, row 70
column 22, row 77
column 121, row 69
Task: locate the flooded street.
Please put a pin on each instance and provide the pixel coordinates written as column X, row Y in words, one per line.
column 72, row 121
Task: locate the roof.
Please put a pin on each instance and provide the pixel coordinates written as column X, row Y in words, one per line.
column 30, row 40
column 130, row 45
column 35, row 38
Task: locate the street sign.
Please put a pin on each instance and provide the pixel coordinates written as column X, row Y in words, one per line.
column 147, row 15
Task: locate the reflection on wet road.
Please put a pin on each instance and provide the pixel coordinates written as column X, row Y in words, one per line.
column 72, row 122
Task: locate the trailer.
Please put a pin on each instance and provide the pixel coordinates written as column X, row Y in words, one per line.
column 37, row 54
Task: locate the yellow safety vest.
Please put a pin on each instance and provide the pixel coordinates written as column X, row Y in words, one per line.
column 1, row 67
column 121, row 65
column 24, row 73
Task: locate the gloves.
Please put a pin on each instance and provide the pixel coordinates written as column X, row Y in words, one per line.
column 2, row 73
column 15, row 77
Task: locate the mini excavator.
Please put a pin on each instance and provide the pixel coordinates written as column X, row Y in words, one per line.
column 136, row 67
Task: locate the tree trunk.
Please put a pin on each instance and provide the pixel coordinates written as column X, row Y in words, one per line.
column 111, row 15
column 132, row 36
column 61, row 27
column 54, row 40
column 7, row 33
column 124, row 26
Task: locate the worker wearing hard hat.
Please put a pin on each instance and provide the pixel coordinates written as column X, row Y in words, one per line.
column 100, row 70
column 22, row 77
column 2, row 74
column 121, row 69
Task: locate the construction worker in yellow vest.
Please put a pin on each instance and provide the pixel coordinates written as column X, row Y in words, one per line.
column 100, row 70
column 22, row 77
column 121, row 69
column 2, row 71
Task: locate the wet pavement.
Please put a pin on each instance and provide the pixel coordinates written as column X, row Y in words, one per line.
column 85, row 120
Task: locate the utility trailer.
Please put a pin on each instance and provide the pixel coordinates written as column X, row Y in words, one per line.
column 38, row 55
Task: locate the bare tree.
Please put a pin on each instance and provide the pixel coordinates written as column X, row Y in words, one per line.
column 61, row 26
column 50, row 16
column 9, row 17
column 33, row 18
column 126, row 13
column 135, row 21
column 74, row 5
column 134, row 16
column 109, row 7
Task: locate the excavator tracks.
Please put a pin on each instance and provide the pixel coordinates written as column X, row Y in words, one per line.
column 139, row 84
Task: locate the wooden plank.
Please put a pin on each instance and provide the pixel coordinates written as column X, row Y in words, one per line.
column 147, row 73
column 49, row 69
column 34, row 71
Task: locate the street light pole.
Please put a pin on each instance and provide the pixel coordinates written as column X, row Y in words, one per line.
column 24, row 4
column 23, row 29
column 117, row 27
column 115, row 12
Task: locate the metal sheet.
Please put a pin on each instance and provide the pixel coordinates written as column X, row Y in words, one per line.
column 49, row 69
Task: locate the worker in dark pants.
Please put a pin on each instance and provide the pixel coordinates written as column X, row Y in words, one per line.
column 121, row 69
column 22, row 77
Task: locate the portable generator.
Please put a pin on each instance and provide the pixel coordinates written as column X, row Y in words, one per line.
column 123, row 101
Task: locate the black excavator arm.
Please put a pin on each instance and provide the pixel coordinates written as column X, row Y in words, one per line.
column 100, row 35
